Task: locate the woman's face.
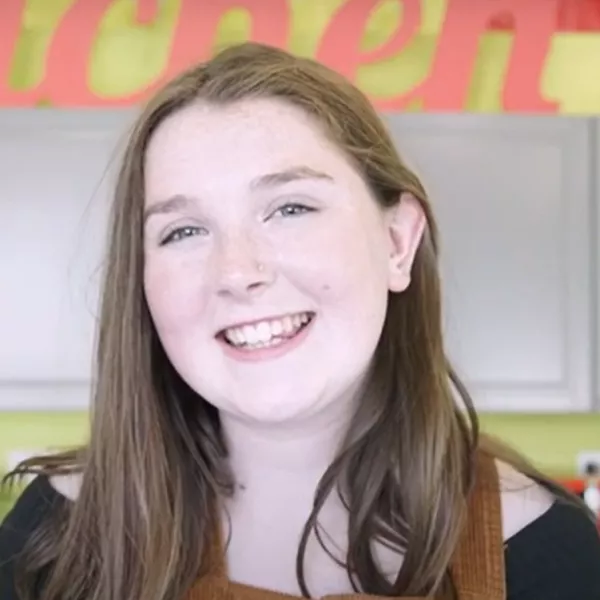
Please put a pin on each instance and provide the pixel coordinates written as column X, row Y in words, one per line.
column 267, row 260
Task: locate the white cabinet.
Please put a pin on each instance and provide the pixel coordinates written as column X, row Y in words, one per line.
column 54, row 169
column 513, row 197
column 514, row 201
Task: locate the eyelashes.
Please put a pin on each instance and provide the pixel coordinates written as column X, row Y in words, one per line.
column 181, row 233
column 292, row 209
column 286, row 211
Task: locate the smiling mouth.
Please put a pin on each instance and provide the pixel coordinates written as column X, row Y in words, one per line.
column 267, row 333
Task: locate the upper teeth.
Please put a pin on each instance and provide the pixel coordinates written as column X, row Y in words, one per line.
column 265, row 331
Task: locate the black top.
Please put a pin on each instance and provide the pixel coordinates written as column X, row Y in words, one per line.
column 557, row 557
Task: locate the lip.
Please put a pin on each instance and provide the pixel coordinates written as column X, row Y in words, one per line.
column 221, row 331
column 265, row 354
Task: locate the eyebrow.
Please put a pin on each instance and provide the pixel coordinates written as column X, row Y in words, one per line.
column 179, row 202
column 287, row 176
column 172, row 204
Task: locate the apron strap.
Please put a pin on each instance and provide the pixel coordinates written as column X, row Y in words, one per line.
column 478, row 568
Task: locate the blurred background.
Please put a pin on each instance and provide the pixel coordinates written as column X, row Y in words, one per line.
column 495, row 104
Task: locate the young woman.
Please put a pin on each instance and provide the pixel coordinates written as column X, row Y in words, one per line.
column 274, row 414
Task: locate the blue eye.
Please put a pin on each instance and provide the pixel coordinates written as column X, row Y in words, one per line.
column 180, row 233
column 293, row 209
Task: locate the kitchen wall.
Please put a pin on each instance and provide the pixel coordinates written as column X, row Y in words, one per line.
column 552, row 441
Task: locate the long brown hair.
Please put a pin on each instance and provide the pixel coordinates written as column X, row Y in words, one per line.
column 156, row 463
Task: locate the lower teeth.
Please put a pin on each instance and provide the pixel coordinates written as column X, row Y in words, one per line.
column 272, row 342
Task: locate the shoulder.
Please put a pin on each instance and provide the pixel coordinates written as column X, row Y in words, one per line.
column 31, row 506
column 29, row 510
column 66, row 485
column 552, row 548
column 523, row 500
column 556, row 556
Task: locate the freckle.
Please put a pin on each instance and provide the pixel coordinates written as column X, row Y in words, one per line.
column 326, row 287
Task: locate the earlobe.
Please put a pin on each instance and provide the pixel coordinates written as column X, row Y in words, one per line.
column 407, row 223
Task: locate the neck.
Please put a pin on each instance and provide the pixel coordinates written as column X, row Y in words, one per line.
column 302, row 448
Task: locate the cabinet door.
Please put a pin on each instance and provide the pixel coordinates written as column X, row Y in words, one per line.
column 56, row 183
column 513, row 199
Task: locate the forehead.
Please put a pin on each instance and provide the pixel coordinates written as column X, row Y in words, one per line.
column 238, row 141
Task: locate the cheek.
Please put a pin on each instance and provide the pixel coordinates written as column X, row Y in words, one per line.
column 354, row 286
column 349, row 260
column 173, row 298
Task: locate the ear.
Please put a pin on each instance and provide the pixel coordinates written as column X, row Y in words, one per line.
column 406, row 225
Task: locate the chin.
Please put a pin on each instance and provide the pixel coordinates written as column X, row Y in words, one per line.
column 272, row 409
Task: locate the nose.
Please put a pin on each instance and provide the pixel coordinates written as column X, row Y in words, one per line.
column 242, row 272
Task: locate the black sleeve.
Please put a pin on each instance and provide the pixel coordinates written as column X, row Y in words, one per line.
column 30, row 509
column 557, row 557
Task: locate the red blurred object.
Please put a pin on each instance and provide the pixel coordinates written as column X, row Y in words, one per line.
column 577, row 486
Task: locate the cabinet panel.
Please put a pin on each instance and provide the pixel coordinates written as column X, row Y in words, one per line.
column 513, row 199
column 56, row 180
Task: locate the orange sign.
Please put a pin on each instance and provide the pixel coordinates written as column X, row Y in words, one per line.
column 176, row 33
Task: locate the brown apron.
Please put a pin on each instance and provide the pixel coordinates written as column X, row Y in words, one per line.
column 477, row 569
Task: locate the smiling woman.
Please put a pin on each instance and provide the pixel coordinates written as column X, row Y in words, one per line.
column 274, row 412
